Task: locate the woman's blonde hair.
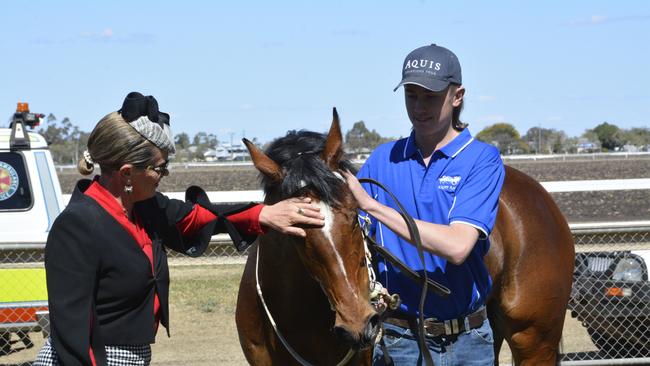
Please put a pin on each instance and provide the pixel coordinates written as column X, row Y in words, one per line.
column 112, row 143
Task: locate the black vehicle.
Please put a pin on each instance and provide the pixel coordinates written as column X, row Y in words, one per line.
column 611, row 297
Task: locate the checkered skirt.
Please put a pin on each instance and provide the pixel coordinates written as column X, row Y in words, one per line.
column 116, row 355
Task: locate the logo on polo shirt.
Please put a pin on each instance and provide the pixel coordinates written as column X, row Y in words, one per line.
column 448, row 183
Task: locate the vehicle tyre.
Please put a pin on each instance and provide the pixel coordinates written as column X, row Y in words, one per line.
column 5, row 343
column 614, row 347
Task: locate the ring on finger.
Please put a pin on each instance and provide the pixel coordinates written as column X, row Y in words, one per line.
column 301, row 211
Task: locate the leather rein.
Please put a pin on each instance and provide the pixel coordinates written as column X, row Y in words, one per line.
column 436, row 287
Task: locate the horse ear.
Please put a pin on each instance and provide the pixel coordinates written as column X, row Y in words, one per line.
column 263, row 163
column 334, row 144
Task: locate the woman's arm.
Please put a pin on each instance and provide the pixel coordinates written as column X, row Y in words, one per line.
column 187, row 226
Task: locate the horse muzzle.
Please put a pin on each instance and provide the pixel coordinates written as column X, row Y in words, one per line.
column 359, row 340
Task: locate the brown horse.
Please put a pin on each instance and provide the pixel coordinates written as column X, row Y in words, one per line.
column 318, row 284
column 316, row 288
column 531, row 260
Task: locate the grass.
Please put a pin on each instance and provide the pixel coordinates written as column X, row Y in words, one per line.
column 202, row 318
column 202, row 322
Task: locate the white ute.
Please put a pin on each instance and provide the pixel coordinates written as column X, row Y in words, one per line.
column 30, row 200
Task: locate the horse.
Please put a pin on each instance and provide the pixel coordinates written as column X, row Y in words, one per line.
column 531, row 260
column 316, row 288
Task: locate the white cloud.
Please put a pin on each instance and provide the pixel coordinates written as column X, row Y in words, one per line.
column 106, row 33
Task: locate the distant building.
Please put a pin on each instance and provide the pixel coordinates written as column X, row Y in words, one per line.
column 631, row 148
column 586, row 146
column 219, row 153
column 358, row 154
column 227, row 152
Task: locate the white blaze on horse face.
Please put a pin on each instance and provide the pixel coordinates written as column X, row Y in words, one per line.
column 327, row 230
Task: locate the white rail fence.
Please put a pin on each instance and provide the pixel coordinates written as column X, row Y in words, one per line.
column 551, row 187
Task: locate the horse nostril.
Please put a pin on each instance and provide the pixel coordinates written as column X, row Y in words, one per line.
column 344, row 335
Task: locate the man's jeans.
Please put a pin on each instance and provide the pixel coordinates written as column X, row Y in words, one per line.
column 468, row 348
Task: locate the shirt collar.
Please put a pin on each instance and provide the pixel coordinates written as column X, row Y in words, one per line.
column 457, row 145
column 453, row 148
column 105, row 199
column 410, row 147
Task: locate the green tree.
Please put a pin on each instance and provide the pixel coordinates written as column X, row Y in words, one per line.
column 201, row 138
column 66, row 141
column 505, row 137
column 545, row 140
column 637, row 136
column 360, row 137
column 182, row 141
column 212, row 140
column 610, row 136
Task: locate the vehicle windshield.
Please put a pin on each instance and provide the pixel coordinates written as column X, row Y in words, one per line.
column 15, row 192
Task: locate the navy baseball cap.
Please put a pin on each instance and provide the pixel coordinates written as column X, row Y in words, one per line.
column 431, row 67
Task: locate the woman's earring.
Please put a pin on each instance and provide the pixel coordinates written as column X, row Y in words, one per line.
column 128, row 188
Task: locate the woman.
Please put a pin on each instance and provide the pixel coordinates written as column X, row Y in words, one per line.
column 105, row 257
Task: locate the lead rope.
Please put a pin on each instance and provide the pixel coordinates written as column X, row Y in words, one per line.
column 392, row 301
column 293, row 353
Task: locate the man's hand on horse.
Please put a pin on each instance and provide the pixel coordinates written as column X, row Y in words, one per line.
column 363, row 199
column 286, row 216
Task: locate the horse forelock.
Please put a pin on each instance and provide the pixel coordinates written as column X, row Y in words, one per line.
column 298, row 153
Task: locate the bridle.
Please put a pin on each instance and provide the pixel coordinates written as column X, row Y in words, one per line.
column 287, row 346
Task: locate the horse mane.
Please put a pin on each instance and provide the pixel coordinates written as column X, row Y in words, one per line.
column 298, row 153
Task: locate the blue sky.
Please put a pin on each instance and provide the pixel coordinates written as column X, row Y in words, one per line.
column 262, row 68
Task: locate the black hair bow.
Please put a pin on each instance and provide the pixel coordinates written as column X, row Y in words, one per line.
column 137, row 105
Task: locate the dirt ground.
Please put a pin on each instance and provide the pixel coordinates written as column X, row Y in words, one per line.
column 203, row 331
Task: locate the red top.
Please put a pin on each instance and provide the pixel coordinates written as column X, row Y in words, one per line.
column 246, row 222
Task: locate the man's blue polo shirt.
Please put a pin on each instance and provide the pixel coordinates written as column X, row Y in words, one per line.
column 461, row 184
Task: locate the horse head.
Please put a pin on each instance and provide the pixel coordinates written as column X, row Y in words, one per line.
column 306, row 163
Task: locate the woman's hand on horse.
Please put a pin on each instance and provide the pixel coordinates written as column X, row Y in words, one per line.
column 285, row 216
column 364, row 200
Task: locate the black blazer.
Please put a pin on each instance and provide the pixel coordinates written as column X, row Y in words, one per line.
column 100, row 284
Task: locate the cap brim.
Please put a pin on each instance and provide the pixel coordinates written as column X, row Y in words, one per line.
column 427, row 83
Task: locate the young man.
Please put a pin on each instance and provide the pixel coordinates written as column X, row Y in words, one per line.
column 450, row 184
